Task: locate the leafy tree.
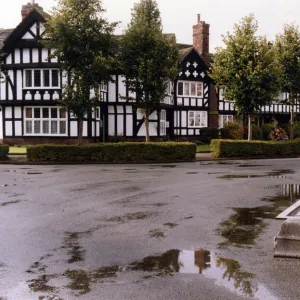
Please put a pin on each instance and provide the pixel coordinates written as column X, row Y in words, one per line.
column 245, row 68
column 149, row 58
column 83, row 43
column 287, row 48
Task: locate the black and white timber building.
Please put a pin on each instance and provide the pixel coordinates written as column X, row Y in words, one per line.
column 32, row 86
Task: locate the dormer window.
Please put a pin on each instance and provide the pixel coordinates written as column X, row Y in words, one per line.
column 42, row 78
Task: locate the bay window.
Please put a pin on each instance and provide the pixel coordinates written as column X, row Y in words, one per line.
column 45, row 121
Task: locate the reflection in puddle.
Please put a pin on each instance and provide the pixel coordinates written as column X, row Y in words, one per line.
column 246, row 224
column 225, row 272
column 272, row 174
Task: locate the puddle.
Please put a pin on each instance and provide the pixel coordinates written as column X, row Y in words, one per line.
column 11, row 202
column 272, row 174
column 192, row 173
column 131, row 217
column 165, row 166
column 286, row 194
column 171, row 225
column 156, row 233
column 188, row 218
column 219, row 162
column 253, row 166
column 74, row 250
column 34, row 173
column 41, row 284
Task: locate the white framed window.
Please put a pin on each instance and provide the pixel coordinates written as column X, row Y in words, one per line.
column 41, row 79
column 197, row 119
column 190, row 89
column 223, row 119
column 103, row 87
column 45, row 121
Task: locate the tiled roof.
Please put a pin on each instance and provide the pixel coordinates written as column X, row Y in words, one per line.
column 4, row 33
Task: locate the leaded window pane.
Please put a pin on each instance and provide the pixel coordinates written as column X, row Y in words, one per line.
column 54, row 127
column 199, row 89
column 45, row 112
column 62, row 114
column 46, row 127
column 28, row 112
column 193, row 89
column 186, row 89
column 37, row 78
column 180, row 88
column 55, row 78
column 37, row 127
column 28, row 127
column 54, row 113
column 46, row 78
column 62, row 127
column 37, row 113
column 28, row 78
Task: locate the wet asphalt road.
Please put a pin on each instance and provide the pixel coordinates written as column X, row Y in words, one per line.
column 183, row 231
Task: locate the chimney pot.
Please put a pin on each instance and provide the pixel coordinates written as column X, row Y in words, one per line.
column 199, row 18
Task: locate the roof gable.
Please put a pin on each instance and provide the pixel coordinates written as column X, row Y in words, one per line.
column 22, row 30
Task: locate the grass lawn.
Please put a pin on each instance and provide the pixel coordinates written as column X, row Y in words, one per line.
column 203, row 149
column 17, row 150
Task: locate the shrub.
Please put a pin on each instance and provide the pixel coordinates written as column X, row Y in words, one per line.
column 278, row 134
column 113, row 153
column 257, row 133
column 208, row 133
column 235, row 130
column 224, row 133
column 266, row 129
column 230, row 148
column 4, row 149
column 297, row 130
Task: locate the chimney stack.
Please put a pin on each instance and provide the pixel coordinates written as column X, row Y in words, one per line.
column 26, row 9
column 201, row 37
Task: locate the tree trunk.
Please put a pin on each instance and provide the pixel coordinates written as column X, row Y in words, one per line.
column 146, row 117
column 292, row 123
column 249, row 128
column 80, row 130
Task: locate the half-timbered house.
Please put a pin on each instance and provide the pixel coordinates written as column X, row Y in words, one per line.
column 32, row 86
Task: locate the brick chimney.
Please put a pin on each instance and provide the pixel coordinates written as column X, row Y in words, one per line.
column 201, row 37
column 26, row 9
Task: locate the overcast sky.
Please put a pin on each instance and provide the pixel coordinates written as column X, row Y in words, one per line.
column 179, row 16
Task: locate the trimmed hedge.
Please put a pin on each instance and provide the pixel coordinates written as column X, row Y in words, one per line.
column 113, row 153
column 266, row 129
column 236, row 131
column 4, row 149
column 257, row 133
column 208, row 133
column 231, row 148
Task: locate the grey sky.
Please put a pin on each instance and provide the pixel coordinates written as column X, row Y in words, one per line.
column 179, row 16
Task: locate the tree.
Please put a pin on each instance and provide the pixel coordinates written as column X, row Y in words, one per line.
column 83, row 43
column 246, row 69
column 149, row 59
column 287, row 48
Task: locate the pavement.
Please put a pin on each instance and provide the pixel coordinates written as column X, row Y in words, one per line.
column 201, row 230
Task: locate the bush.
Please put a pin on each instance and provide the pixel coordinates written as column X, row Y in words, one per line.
column 230, row 148
column 257, row 133
column 4, row 149
column 113, row 153
column 208, row 133
column 224, row 133
column 297, row 130
column 266, row 129
column 235, row 130
column 278, row 134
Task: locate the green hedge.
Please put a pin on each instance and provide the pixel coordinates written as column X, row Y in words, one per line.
column 4, row 149
column 231, row 148
column 113, row 153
